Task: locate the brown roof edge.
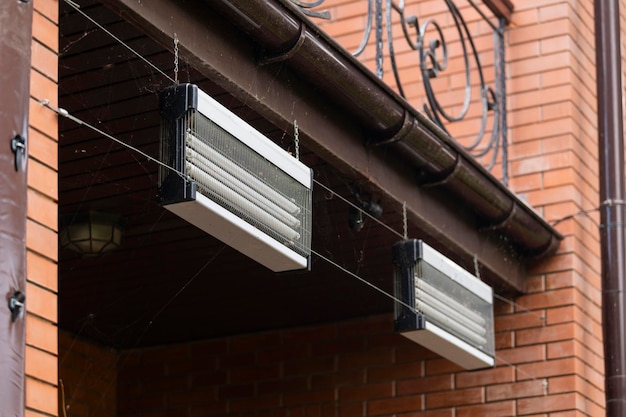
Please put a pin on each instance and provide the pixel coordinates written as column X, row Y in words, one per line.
column 501, row 8
column 285, row 34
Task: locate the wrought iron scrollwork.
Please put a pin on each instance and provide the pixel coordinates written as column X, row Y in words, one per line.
column 428, row 39
column 432, row 65
column 306, row 7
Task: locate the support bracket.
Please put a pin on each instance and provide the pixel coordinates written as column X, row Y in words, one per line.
column 16, row 304
column 18, row 146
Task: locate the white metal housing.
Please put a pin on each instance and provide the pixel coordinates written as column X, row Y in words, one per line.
column 233, row 182
column 444, row 307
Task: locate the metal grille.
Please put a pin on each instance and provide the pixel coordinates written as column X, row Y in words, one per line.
column 237, row 178
column 453, row 307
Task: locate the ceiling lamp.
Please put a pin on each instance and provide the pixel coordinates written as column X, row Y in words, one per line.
column 445, row 308
column 91, row 234
column 233, row 182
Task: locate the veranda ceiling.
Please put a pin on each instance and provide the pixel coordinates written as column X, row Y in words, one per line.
column 169, row 282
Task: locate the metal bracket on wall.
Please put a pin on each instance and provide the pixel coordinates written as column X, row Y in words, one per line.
column 16, row 304
column 18, row 146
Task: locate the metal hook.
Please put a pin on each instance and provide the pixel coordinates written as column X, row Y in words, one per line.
column 16, row 304
column 18, row 146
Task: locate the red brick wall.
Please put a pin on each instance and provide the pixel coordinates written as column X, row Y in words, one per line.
column 549, row 340
column 346, row 369
column 554, row 165
column 359, row 368
column 88, row 375
column 41, row 233
column 554, row 332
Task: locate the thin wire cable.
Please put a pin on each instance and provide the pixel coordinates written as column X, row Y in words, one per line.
column 65, row 113
column 121, row 361
column 345, row 200
column 68, row 115
column 63, row 405
column 544, row 381
column 171, row 300
column 121, row 42
column 579, row 213
column 392, row 297
column 520, row 307
column 352, row 274
column 74, row 340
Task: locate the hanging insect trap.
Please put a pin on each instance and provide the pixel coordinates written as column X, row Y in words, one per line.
column 232, row 182
column 444, row 308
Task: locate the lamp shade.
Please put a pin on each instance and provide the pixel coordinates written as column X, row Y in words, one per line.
column 91, row 234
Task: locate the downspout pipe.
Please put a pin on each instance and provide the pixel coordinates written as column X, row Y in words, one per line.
column 612, row 213
column 284, row 36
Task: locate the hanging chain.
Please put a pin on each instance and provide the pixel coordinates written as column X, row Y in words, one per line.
column 405, row 221
column 476, row 267
column 175, row 58
column 296, row 139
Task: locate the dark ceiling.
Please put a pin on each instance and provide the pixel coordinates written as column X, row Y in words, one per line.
column 169, row 282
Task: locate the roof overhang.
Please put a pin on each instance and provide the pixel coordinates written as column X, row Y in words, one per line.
column 267, row 54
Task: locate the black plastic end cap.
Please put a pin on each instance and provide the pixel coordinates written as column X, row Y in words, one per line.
column 176, row 189
column 406, row 252
column 176, row 100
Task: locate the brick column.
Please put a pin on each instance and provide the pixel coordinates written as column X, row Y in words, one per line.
column 554, row 166
column 41, row 233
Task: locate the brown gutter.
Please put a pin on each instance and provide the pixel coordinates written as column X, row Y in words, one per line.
column 613, row 214
column 500, row 8
column 284, row 35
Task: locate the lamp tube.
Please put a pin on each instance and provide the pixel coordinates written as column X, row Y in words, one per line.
column 444, row 320
column 232, row 182
column 241, row 174
column 241, row 202
column 420, row 284
column 456, row 315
